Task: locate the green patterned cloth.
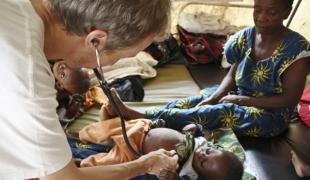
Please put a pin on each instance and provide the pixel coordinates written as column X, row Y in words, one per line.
column 185, row 149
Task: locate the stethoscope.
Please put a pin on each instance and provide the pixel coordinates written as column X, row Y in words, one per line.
column 105, row 88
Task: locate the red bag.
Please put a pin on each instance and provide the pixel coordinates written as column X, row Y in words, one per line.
column 304, row 111
column 201, row 48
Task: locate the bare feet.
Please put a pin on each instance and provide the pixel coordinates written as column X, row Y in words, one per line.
column 109, row 111
column 301, row 168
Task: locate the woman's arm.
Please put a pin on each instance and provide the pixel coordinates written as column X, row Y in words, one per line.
column 293, row 81
column 227, row 84
column 151, row 163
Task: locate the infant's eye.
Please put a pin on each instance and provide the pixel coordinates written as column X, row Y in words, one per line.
column 208, row 150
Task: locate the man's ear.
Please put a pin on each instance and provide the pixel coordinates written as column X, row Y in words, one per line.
column 96, row 39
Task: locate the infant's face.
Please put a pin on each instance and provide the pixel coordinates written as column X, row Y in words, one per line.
column 68, row 79
column 63, row 75
column 209, row 161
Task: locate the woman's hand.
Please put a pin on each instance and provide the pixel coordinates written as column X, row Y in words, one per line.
column 207, row 101
column 236, row 99
column 160, row 160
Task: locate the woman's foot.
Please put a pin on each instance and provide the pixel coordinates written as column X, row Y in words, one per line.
column 301, row 168
column 109, row 111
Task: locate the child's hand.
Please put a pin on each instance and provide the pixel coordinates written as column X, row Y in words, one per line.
column 196, row 130
column 191, row 128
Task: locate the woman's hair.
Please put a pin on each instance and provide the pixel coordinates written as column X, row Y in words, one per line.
column 289, row 3
column 126, row 21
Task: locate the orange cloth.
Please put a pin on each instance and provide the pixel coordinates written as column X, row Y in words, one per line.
column 93, row 97
column 111, row 129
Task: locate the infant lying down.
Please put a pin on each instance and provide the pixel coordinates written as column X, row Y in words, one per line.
column 197, row 159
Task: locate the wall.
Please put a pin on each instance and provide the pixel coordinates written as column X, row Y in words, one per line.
column 243, row 16
column 301, row 21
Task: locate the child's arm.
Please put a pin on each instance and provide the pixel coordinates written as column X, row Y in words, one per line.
column 195, row 129
column 168, row 175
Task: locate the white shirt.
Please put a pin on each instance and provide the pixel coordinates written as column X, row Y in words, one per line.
column 32, row 142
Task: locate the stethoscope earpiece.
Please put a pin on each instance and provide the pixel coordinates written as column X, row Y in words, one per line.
column 95, row 42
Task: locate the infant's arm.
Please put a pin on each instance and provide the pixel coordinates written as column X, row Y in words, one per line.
column 166, row 174
column 195, row 129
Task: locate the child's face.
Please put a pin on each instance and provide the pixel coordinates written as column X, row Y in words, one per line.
column 62, row 75
column 68, row 79
column 210, row 162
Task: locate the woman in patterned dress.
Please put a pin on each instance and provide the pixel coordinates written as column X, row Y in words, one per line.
column 266, row 77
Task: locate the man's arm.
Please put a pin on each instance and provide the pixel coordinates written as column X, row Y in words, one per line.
column 151, row 163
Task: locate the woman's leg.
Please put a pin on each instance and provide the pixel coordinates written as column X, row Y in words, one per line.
column 129, row 113
column 245, row 121
column 109, row 111
column 209, row 116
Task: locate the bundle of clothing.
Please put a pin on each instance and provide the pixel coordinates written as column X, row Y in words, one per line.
column 201, row 22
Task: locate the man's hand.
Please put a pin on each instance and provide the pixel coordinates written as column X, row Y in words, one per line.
column 160, row 160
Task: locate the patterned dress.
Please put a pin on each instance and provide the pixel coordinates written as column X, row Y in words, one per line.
column 253, row 78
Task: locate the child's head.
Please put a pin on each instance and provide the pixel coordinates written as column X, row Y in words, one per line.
column 71, row 80
column 216, row 164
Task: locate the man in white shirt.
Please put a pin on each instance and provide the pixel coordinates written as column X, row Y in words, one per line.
column 33, row 144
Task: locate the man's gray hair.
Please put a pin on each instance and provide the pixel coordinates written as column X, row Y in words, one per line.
column 127, row 22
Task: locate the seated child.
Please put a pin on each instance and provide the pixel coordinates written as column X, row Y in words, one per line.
column 197, row 159
column 300, row 160
column 70, row 84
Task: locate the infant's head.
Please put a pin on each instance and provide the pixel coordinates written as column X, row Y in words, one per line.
column 211, row 163
column 71, row 80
